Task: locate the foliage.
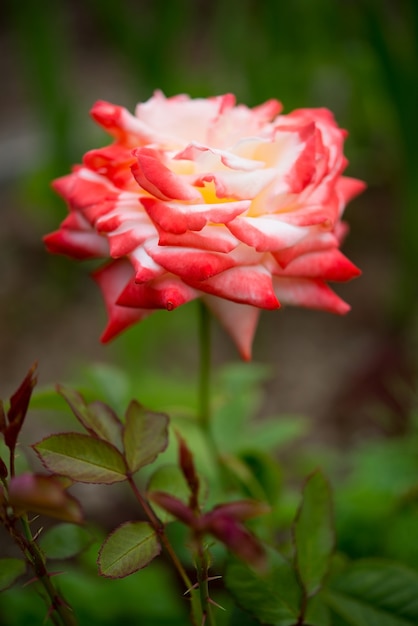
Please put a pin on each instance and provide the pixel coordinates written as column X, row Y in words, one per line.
column 276, row 573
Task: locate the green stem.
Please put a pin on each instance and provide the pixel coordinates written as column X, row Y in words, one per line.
column 202, row 577
column 158, row 526
column 204, row 409
column 204, row 367
column 60, row 612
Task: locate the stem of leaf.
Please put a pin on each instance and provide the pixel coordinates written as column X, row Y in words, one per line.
column 60, row 612
column 12, row 462
column 204, row 410
column 202, row 577
column 158, row 526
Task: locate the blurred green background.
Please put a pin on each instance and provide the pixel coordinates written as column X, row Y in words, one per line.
column 354, row 377
column 357, row 57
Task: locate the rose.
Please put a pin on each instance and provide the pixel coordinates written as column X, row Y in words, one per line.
column 203, row 198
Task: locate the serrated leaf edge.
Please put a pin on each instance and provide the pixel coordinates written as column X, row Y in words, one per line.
column 101, row 572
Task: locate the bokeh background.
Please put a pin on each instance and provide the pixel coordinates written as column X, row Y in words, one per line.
column 357, row 57
column 353, row 377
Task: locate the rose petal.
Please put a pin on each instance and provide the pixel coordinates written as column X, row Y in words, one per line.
column 79, row 245
column 211, row 237
column 206, row 198
column 310, row 293
column 239, row 320
column 190, row 263
column 315, row 240
column 129, row 236
column 145, row 267
column 153, row 176
column 112, row 279
column 266, row 234
column 178, row 218
column 168, row 293
column 326, row 264
column 246, row 285
column 349, row 188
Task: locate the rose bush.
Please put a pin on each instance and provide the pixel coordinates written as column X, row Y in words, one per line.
column 203, row 198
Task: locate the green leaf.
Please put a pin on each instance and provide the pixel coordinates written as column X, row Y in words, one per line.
column 109, row 382
column 375, row 593
column 10, row 570
column 106, row 422
column 129, row 548
column 276, row 432
column 273, row 597
column 64, row 541
column 97, row 418
column 47, row 399
column 145, row 435
column 242, row 398
column 265, row 475
column 82, row 458
column 169, row 479
column 313, row 533
column 317, row 612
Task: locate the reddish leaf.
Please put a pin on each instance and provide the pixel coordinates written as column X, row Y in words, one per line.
column 2, row 498
column 175, row 507
column 168, row 479
column 237, row 539
column 45, row 495
column 3, row 422
column 240, row 510
column 189, row 471
column 19, row 403
column 3, row 469
column 224, row 523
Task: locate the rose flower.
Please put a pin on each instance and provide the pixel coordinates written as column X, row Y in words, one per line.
column 203, row 198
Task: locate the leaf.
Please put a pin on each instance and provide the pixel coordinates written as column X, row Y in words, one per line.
column 187, row 466
column 3, row 470
column 276, row 432
column 274, row 597
column 82, row 458
column 10, row 570
column 129, row 548
column 375, row 593
column 45, row 495
column 313, row 533
column 21, row 460
column 109, row 382
column 224, row 523
column 240, row 470
column 265, row 475
column 19, row 403
column 145, row 435
column 46, row 398
column 169, row 479
column 3, row 422
column 64, row 541
column 97, row 418
column 317, row 612
column 230, row 428
column 175, row 507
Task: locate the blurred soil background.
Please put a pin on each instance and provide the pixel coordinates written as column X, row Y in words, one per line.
column 354, row 375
